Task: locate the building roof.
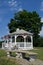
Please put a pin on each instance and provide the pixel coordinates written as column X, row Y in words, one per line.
column 17, row 32
column 21, row 31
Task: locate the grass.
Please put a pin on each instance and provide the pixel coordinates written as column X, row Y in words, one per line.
column 7, row 61
column 4, row 60
column 2, row 53
column 39, row 51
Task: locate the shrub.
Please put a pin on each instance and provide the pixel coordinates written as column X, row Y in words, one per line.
column 13, row 54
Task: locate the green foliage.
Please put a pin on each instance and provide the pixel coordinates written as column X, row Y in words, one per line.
column 7, row 61
column 40, row 42
column 3, row 53
column 39, row 51
column 13, row 54
column 4, row 60
column 29, row 21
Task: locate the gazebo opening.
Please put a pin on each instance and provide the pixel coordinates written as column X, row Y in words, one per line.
column 28, row 39
column 19, row 39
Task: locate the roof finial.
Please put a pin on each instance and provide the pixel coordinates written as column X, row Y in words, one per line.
column 17, row 29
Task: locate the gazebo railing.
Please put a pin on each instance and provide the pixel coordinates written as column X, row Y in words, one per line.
column 18, row 44
column 28, row 44
column 23, row 44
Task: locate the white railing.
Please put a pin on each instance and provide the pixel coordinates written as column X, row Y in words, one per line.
column 18, row 44
column 23, row 44
column 8, row 45
column 28, row 44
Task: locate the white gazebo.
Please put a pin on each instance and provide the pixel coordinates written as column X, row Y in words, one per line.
column 20, row 39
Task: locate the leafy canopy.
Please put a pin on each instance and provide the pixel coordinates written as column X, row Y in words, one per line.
column 29, row 21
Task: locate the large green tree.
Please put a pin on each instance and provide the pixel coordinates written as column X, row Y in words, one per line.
column 29, row 21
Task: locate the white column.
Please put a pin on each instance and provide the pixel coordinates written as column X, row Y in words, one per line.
column 32, row 42
column 2, row 44
column 15, row 39
column 10, row 44
column 25, row 42
column 11, row 39
column 6, row 42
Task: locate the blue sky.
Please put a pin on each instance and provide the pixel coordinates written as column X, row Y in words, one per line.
column 9, row 7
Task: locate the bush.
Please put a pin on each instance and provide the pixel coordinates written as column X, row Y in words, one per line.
column 13, row 54
column 39, row 42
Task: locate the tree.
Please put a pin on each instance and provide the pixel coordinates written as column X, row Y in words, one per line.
column 29, row 21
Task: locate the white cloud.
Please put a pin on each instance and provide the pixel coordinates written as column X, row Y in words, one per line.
column 7, row 30
column 10, row 5
column 20, row 9
column 41, row 32
column 14, row 5
column 42, row 19
column 41, row 8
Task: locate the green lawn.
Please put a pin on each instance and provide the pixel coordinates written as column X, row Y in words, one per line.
column 2, row 53
column 39, row 51
column 4, row 60
column 7, row 61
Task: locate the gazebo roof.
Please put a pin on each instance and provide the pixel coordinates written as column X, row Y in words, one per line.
column 21, row 31
column 17, row 32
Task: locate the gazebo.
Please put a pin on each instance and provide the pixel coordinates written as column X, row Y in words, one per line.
column 20, row 39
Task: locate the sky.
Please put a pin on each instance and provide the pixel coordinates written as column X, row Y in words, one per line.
column 9, row 7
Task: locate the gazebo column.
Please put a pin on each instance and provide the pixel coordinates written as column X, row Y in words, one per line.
column 2, row 45
column 11, row 39
column 25, row 42
column 10, row 44
column 15, row 39
column 32, row 42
